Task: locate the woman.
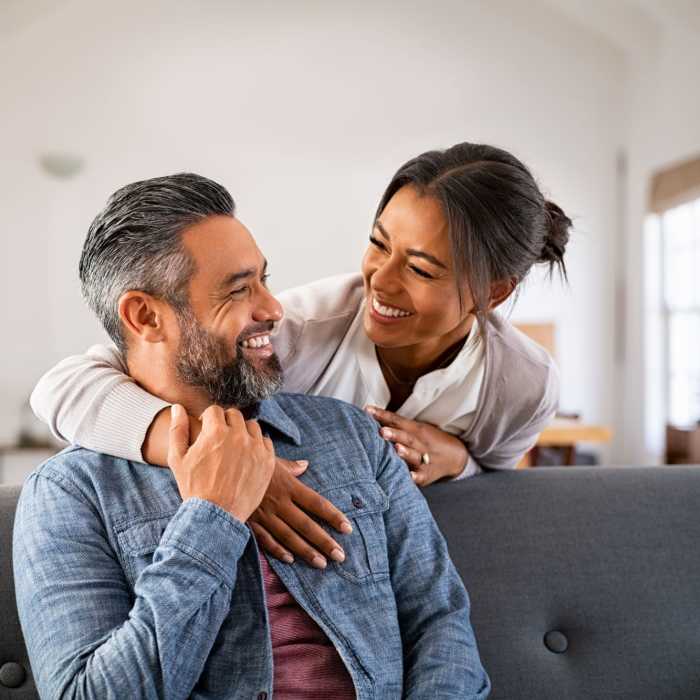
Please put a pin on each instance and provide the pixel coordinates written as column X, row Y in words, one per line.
column 413, row 338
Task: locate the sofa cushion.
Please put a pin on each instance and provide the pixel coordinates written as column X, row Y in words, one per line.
column 584, row 582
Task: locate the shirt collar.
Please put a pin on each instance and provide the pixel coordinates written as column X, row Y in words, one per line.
column 271, row 413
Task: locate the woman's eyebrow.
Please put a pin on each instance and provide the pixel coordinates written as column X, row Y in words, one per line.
column 412, row 251
column 426, row 256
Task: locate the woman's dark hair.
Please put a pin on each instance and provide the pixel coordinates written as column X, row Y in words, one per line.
column 499, row 222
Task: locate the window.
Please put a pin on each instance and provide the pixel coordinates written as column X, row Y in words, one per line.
column 677, row 234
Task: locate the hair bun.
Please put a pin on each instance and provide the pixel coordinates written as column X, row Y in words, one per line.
column 557, row 237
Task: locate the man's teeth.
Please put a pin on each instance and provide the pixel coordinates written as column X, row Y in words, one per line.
column 257, row 342
column 388, row 310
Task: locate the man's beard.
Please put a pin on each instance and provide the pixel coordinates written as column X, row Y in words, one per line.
column 204, row 362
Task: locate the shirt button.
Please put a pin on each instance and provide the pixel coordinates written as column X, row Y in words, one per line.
column 357, row 502
column 262, row 696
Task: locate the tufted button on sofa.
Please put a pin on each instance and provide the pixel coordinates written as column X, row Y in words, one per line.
column 584, row 583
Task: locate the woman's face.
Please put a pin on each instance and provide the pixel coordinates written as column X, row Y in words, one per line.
column 410, row 285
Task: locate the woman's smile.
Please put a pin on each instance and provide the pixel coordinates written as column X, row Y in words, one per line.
column 386, row 313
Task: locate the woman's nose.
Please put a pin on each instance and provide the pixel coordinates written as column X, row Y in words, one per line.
column 385, row 277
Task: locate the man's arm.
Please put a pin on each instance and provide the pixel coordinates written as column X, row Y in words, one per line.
column 441, row 659
column 86, row 635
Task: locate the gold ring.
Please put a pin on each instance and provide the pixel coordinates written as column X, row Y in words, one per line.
column 425, row 458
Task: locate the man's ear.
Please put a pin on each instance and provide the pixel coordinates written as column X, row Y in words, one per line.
column 501, row 290
column 143, row 316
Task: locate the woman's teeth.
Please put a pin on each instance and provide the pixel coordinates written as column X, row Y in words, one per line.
column 257, row 342
column 389, row 311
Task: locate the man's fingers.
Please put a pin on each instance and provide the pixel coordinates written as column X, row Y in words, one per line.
column 212, row 417
column 234, row 418
column 314, row 503
column 179, row 440
column 269, row 543
column 253, row 428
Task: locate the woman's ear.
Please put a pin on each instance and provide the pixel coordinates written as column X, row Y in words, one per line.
column 143, row 316
column 501, row 290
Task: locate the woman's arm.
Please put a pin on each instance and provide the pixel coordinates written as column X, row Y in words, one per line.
column 520, row 434
column 91, row 401
column 449, row 457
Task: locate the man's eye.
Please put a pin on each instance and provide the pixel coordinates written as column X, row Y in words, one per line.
column 239, row 291
column 422, row 273
column 376, row 242
column 265, row 278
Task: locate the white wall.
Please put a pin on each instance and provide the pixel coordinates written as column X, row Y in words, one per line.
column 663, row 127
column 304, row 110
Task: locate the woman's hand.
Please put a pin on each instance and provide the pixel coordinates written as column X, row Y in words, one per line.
column 283, row 529
column 447, row 455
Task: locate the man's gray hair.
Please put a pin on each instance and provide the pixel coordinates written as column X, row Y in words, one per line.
column 134, row 243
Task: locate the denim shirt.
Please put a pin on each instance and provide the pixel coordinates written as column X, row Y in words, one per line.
column 125, row 591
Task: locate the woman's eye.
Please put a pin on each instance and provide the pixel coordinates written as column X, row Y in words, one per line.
column 376, row 242
column 422, row 273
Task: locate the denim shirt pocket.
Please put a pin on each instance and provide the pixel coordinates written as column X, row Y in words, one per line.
column 363, row 503
column 138, row 539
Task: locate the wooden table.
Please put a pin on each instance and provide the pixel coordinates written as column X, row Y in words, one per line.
column 567, row 433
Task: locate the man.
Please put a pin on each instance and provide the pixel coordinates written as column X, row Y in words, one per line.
column 139, row 582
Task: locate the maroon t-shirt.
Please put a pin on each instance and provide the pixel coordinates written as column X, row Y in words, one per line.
column 306, row 664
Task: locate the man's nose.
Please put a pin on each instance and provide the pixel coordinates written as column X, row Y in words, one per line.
column 267, row 308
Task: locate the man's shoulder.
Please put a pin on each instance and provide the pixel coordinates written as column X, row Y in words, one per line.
column 302, row 407
column 77, row 469
column 340, row 440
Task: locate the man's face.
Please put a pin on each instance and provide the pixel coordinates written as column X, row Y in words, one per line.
column 225, row 346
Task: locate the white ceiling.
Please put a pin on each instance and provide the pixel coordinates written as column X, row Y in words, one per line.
column 632, row 26
column 16, row 15
column 629, row 25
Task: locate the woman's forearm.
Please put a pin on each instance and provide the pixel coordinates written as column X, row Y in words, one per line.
column 155, row 444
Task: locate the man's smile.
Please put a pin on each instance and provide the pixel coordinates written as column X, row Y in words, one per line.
column 258, row 345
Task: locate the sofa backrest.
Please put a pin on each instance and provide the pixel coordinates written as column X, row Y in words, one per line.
column 584, row 582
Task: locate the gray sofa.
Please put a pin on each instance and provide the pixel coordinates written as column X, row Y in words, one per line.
column 585, row 582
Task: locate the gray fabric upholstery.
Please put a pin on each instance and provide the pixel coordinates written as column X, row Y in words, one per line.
column 12, row 649
column 585, row 582
column 610, row 558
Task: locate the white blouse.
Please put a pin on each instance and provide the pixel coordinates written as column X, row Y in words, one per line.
column 354, row 375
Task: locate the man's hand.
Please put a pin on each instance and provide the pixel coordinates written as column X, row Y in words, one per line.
column 447, row 454
column 284, row 529
column 230, row 463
